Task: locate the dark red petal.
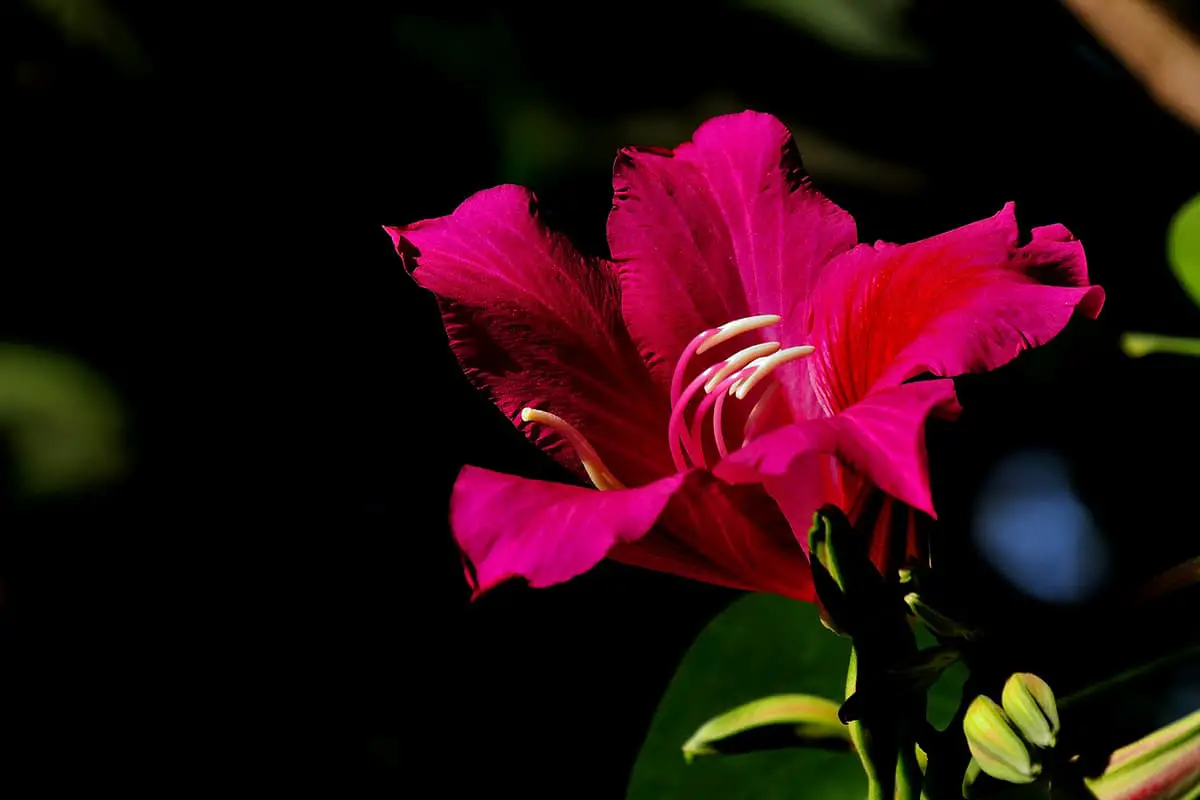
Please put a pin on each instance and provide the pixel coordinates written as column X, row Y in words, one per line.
column 728, row 535
column 534, row 323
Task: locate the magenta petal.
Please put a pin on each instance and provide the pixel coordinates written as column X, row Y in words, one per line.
column 773, row 454
column 881, row 440
column 689, row 524
column 721, row 227
column 966, row 301
column 534, row 323
column 511, row 527
column 1055, row 257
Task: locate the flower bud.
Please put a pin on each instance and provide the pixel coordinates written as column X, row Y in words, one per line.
column 996, row 747
column 1164, row 764
column 1029, row 703
column 786, row 720
column 938, row 623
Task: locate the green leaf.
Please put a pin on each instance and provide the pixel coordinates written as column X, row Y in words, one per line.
column 64, row 425
column 1183, row 247
column 771, row 723
column 762, row 645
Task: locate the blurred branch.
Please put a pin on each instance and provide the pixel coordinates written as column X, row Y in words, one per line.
column 1154, row 47
column 866, row 28
column 94, row 24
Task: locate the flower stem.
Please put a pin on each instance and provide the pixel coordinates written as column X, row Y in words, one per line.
column 875, row 789
column 1137, row 345
column 1130, row 675
column 908, row 772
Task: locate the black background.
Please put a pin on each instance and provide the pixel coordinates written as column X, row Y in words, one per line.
column 271, row 598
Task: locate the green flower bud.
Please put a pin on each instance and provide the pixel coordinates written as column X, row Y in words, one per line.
column 996, row 747
column 1029, row 703
column 938, row 623
column 1165, row 764
column 786, row 720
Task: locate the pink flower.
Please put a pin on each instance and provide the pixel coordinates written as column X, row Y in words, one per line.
column 739, row 362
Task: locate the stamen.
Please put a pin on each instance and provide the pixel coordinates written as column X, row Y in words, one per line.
column 677, row 429
column 738, row 360
column 768, row 365
column 736, row 376
column 599, row 474
column 714, row 400
column 736, row 328
column 710, row 338
column 719, row 423
column 760, row 409
column 684, row 358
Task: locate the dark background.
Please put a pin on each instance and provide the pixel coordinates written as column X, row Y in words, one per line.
column 270, row 595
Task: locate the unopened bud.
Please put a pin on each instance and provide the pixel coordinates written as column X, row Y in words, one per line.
column 996, row 747
column 1164, row 764
column 788, row 720
column 1029, row 703
column 938, row 623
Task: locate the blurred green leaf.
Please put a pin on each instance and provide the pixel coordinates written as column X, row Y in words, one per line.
column 93, row 23
column 867, row 28
column 64, row 425
column 1183, row 247
column 474, row 51
column 771, row 723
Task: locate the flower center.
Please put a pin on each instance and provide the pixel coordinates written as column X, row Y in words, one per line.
column 735, row 376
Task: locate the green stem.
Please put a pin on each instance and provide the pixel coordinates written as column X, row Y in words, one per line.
column 858, row 735
column 1137, row 345
column 908, row 772
column 1129, row 675
column 950, row 757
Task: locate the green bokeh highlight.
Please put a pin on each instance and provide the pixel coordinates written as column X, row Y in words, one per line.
column 1183, row 247
column 63, row 423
